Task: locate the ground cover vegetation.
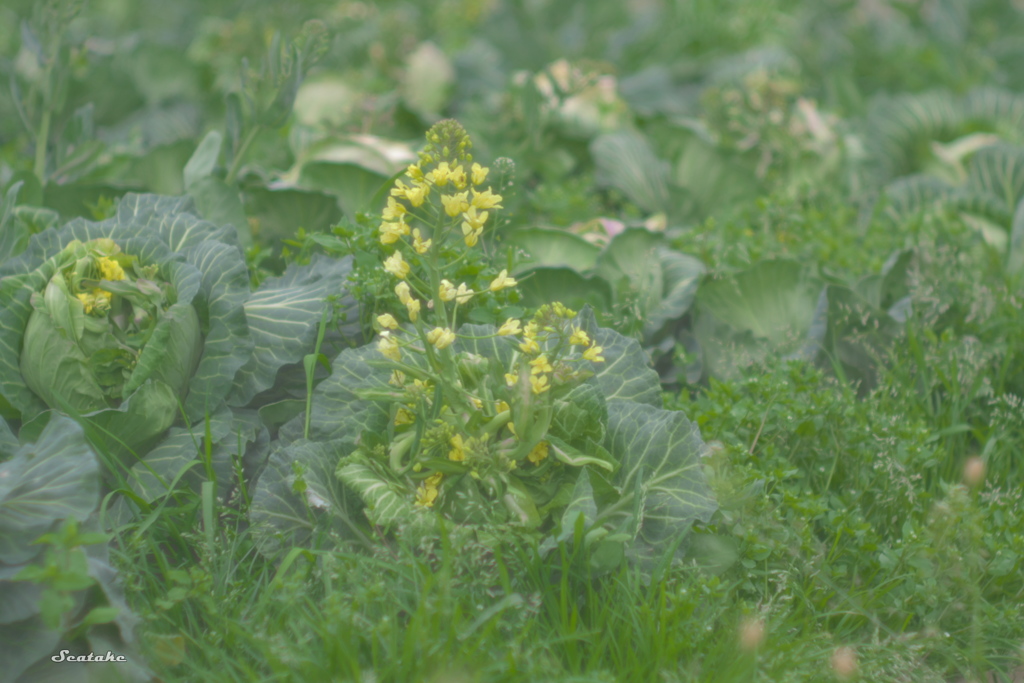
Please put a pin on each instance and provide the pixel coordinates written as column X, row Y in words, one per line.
column 496, row 340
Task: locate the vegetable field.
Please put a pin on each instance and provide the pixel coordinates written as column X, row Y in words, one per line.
column 512, row 340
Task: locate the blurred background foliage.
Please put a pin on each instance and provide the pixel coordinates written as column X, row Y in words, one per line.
column 698, row 136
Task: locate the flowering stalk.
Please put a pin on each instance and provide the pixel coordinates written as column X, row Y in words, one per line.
column 462, row 417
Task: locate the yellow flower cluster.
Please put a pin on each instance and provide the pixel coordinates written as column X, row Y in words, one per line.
column 441, row 338
column 111, row 269
column 426, row 494
column 98, row 300
column 458, row 451
column 539, row 453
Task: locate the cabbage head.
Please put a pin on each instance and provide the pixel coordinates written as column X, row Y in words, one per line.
column 148, row 318
column 106, row 327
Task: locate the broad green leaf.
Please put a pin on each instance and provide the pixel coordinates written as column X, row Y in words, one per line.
column 25, row 643
column 8, row 442
column 625, row 161
column 549, row 247
column 681, row 275
column 139, row 420
column 354, row 185
column 221, row 204
column 998, row 171
column 18, row 599
column 711, row 178
column 338, row 413
column 55, row 478
column 228, row 343
column 626, row 374
column 582, row 504
column 181, row 448
column 662, row 448
column 14, row 235
column 767, row 308
column 387, row 503
column 580, row 416
column 630, row 264
column 574, row 290
column 297, row 497
column 278, row 214
column 643, row 270
column 283, row 316
column 204, row 160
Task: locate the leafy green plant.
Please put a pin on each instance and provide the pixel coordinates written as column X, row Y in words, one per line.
column 563, row 428
column 131, row 321
column 58, row 591
column 636, row 276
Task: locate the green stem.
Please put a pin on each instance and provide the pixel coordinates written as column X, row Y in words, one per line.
column 42, row 139
column 236, row 163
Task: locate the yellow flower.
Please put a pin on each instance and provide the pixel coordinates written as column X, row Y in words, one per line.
column 387, row 321
column 88, row 300
column 441, row 338
column 397, row 378
column 530, row 331
column 400, row 189
column 473, row 225
column 457, row 453
column 403, row 417
column 539, row 453
column 388, row 347
column 471, row 238
column 511, row 326
column 394, row 211
column 503, row 406
column 473, row 220
column 486, row 200
column 502, row 281
column 426, row 494
column 479, row 174
column 446, row 291
column 458, row 177
column 413, row 306
column 592, row 354
column 579, row 337
column 511, row 379
column 99, row 301
column 415, row 172
column 419, row 244
column 454, row 204
column 390, row 232
column 395, row 265
column 529, row 346
column 463, row 294
column 539, row 383
column 540, row 364
column 111, row 269
column 440, row 175
column 402, row 290
column 417, row 195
